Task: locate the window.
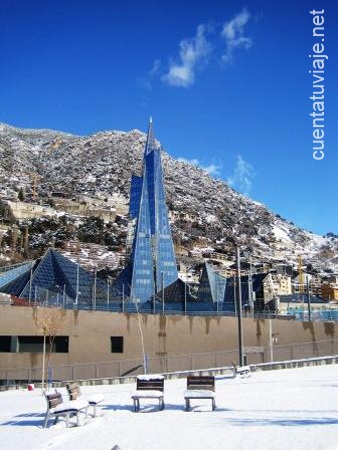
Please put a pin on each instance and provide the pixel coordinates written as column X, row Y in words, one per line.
column 116, row 343
column 5, row 344
column 32, row 344
column 35, row 344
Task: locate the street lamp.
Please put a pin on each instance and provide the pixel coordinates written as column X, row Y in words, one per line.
column 273, row 339
column 308, row 298
column 239, row 308
column 162, row 273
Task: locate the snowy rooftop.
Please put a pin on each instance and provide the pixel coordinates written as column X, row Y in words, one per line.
column 294, row 409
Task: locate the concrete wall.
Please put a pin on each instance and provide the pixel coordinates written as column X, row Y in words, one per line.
column 21, row 210
column 90, row 333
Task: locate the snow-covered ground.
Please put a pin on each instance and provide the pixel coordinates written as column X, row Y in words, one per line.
column 287, row 409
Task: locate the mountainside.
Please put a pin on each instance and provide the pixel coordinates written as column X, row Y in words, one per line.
column 206, row 214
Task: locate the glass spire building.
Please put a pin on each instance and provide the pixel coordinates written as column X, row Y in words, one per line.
column 152, row 264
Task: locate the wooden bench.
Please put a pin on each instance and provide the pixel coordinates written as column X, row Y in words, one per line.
column 200, row 387
column 74, row 393
column 149, row 386
column 57, row 408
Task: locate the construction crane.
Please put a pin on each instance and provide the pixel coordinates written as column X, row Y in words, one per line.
column 300, row 275
column 34, row 179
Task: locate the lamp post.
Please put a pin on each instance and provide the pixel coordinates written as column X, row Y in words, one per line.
column 308, row 298
column 43, row 361
column 77, row 285
column 30, row 284
column 273, row 339
column 108, row 283
column 94, row 289
column 250, row 286
column 239, row 309
column 162, row 273
column 64, row 296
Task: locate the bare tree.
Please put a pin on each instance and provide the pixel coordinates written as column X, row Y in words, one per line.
column 48, row 323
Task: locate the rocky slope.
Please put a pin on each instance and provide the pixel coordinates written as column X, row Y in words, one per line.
column 207, row 215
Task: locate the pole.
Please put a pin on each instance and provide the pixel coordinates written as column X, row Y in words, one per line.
column 30, row 285
column 185, row 298
column 43, row 361
column 94, row 290
column 77, row 284
column 235, row 296
column 123, row 297
column 308, row 298
column 162, row 293
column 108, row 282
column 251, row 304
column 64, row 296
column 154, row 303
column 239, row 309
column 270, row 340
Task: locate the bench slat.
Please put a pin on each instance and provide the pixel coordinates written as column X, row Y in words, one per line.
column 200, row 387
column 56, row 408
column 144, row 386
column 74, row 393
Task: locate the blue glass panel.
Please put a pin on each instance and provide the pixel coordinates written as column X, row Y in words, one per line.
column 9, row 274
column 135, row 196
column 212, row 285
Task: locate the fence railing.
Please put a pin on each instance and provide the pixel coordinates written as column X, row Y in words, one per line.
column 164, row 363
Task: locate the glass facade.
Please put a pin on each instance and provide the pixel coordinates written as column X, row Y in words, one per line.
column 212, row 285
column 152, row 264
column 8, row 274
column 67, row 280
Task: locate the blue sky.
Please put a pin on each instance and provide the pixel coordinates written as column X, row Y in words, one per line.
column 227, row 84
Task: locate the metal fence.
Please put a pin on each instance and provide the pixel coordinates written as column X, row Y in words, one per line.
column 165, row 364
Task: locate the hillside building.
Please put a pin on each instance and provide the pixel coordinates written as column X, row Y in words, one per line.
column 329, row 289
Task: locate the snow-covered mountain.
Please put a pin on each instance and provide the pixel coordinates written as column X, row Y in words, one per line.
column 205, row 212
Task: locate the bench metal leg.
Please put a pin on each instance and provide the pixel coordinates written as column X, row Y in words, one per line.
column 46, row 420
column 136, row 404
column 213, row 404
column 67, row 420
column 187, row 404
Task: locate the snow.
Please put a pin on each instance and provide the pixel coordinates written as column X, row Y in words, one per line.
column 199, row 393
column 150, row 377
column 281, row 233
column 293, row 409
column 147, row 394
